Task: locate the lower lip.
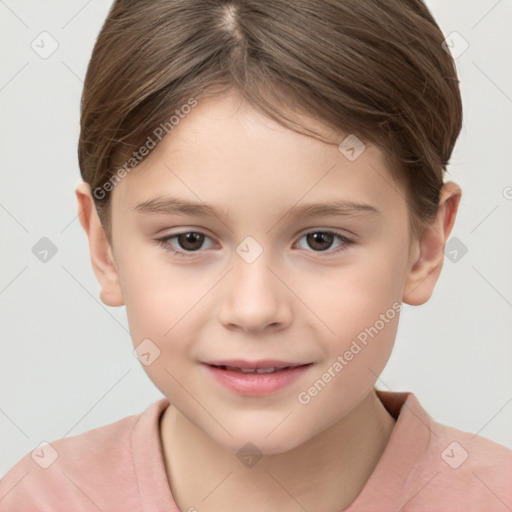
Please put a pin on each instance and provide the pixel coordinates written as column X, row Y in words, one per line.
column 257, row 384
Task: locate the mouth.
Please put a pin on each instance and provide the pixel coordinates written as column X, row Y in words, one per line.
column 270, row 369
column 258, row 377
column 263, row 366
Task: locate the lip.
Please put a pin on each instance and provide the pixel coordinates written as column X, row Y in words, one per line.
column 264, row 363
column 253, row 383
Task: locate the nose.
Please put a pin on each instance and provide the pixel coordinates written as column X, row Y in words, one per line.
column 254, row 297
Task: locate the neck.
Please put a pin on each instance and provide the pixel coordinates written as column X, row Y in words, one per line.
column 324, row 474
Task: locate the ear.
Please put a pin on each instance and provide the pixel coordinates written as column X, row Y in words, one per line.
column 102, row 257
column 427, row 252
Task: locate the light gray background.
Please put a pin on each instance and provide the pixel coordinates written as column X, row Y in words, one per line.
column 66, row 359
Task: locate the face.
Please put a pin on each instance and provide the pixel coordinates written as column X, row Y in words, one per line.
column 261, row 283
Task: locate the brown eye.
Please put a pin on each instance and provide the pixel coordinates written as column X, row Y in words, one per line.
column 184, row 244
column 320, row 241
column 190, row 241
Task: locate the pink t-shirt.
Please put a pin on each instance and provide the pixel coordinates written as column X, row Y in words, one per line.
column 426, row 466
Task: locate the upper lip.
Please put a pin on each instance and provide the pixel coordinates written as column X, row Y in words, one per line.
column 267, row 363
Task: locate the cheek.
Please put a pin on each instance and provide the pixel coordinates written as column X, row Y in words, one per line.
column 355, row 360
column 161, row 309
column 165, row 303
column 355, row 296
column 361, row 308
column 156, row 293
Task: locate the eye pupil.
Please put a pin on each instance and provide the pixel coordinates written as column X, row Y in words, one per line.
column 317, row 238
column 191, row 238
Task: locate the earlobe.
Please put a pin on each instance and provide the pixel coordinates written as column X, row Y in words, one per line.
column 428, row 257
column 102, row 257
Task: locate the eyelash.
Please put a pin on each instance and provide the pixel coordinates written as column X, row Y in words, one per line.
column 164, row 242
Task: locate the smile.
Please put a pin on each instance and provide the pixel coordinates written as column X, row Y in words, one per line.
column 256, row 378
column 253, row 370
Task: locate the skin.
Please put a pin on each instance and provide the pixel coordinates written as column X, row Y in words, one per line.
column 295, row 302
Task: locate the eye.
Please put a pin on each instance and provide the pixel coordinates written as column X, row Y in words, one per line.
column 188, row 241
column 321, row 241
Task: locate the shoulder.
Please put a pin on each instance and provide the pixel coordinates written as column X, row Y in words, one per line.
column 431, row 466
column 82, row 472
column 464, row 470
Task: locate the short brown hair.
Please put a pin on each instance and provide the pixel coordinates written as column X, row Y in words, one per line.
column 373, row 68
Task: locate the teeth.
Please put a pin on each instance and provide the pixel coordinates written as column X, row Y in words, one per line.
column 265, row 370
column 252, row 370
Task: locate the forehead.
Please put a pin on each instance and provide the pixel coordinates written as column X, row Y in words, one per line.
column 228, row 153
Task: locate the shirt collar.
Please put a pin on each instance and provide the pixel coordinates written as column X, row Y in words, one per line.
column 407, row 444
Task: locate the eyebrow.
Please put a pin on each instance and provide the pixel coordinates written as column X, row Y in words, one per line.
column 176, row 206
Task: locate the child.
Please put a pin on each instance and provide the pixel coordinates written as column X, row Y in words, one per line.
column 263, row 189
